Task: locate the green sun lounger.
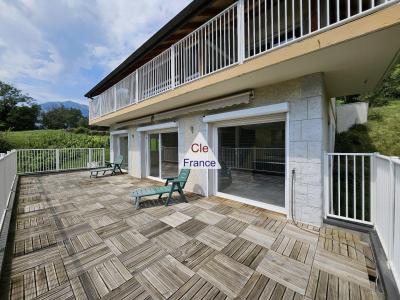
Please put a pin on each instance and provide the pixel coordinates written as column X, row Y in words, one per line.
column 172, row 184
column 113, row 167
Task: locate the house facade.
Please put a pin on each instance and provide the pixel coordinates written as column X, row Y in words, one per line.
column 256, row 79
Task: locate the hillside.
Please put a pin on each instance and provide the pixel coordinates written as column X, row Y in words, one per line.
column 67, row 104
column 380, row 134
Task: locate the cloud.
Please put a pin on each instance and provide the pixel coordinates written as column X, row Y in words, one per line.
column 62, row 48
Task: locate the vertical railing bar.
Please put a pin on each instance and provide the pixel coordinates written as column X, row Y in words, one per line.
column 339, row 208
column 363, row 188
column 286, row 29
column 259, row 27
column 328, row 12
column 301, row 17
column 220, row 42
column 266, row 24
column 332, row 160
column 348, row 9
column 293, row 21
column 347, row 186
column 279, row 21
column 272, row 23
column 354, row 186
column 337, row 10
column 319, row 15
column 254, row 28
column 229, row 38
column 309, row 15
column 225, row 29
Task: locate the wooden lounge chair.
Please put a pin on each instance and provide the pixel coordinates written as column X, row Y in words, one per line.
column 172, row 184
column 113, row 167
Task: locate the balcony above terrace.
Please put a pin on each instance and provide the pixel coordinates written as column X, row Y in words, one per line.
column 254, row 43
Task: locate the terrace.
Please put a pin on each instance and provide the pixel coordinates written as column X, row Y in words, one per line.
column 76, row 237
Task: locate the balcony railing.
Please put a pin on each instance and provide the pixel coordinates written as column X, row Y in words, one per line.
column 31, row 161
column 242, row 31
column 365, row 188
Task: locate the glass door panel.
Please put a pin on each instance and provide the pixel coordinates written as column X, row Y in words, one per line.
column 252, row 159
column 169, row 154
column 154, row 155
column 123, row 150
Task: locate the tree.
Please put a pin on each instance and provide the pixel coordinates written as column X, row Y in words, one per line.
column 63, row 118
column 17, row 111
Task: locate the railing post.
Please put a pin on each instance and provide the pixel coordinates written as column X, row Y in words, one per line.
column 114, row 91
column 90, row 157
column 240, row 30
column 57, row 159
column 372, row 197
column 103, row 157
column 137, row 86
column 173, row 66
column 326, row 184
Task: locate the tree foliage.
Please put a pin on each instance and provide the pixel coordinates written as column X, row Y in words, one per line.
column 63, row 118
column 17, row 111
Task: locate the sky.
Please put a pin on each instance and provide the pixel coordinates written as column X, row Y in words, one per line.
column 58, row 50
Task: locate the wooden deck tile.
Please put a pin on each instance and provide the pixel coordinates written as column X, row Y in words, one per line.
column 198, row 288
column 209, row 217
column 245, row 252
column 194, row 254
column 192, row 227
column 285, row 271
column 175, row 219
column 343, row 267
column 171, row 240
column 259, row 235
column 232, row 225
column 82, row 238
column 140, row 219
column 141, row 256
column 215, row 238
column 79, row 263
column 167, row 275
column 226, row 274
column 154, row 228
column 125, row 241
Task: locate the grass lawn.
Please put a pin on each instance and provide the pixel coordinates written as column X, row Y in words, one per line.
column 381, row 133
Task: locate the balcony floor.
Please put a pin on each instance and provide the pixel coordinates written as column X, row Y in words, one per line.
column 77, row 237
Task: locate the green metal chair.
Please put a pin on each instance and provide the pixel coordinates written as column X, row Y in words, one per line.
column 113, row 167
column 172, row 184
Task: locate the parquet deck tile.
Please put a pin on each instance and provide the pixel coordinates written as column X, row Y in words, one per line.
column 82, row 238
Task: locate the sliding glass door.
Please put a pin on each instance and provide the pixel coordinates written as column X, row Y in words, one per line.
column 252, row 159
column 163, row 154
column 154, row 155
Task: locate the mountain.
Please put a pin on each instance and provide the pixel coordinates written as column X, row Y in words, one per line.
column 67, row 104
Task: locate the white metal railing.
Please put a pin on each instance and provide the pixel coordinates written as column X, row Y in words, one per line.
column 8, row 174
column 256, row 159
column 242, row 31
column 47, row 160
column 386, row 209
column 349, row 186
column 365, row 188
